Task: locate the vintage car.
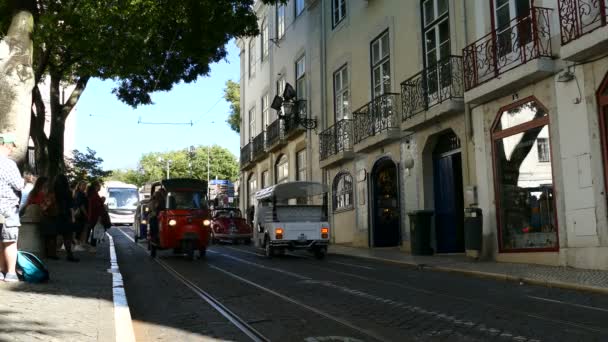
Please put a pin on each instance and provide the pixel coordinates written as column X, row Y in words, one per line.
column 228, row 224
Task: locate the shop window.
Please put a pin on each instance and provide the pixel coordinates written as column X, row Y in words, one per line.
column 525, row 197
column 343, row 191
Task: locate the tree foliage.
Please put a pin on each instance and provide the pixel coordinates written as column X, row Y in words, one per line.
column 85, row 167
column 223, row 165
column 232, row 94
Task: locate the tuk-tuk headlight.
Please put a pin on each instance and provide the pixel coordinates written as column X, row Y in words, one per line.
column 206, row 222
column 144, row 222
column 172, row 223
column 147, row 209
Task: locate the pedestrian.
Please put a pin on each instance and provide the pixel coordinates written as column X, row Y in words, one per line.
column 30, row 180
column 156, row 205
column 60, row 211
column 95, row 209
column 37, row 195
column 11, row 185
column 81, row 205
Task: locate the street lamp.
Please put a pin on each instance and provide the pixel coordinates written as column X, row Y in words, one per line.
column 169, row 161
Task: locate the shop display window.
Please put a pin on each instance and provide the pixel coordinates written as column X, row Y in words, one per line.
column 525, row 200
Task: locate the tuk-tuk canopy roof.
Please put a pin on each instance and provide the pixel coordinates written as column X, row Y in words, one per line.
column 181, row 184
column 291, row 190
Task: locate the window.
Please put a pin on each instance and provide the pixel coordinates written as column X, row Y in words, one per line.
column 381, row 69
column 341, row 93
column 281, row 86
column 299, row 7
column 282, row 170
column 525, row 199
column 542, row 145
column 437, row 44
column 252, row 60
column 265, row 179
column 301, row 165
column 505, row 11
column 343, row 191
column 280, row 21
column 301, row 78
column 252, row 187
column 265, row 40
column 265, row 112
column 338, row 9
column 252, row 123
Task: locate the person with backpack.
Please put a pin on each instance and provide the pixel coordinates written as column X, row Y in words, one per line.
column 11, row 184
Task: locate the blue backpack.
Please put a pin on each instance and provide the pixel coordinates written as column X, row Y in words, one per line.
column 31, row 269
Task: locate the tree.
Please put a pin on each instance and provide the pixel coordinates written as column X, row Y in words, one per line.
column 232, row 94
column 128, row 176
column 85, row 167
column 145, row 45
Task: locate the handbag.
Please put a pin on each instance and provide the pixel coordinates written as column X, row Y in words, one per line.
column 99, row 232
column 105, row 220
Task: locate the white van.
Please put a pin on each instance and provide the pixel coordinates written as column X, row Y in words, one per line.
column 121, row 200
column 281, row 224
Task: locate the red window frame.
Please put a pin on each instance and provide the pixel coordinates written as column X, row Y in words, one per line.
column 602, row 112
column 499, row 134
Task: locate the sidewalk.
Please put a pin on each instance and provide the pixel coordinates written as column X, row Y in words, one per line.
column 550, row 276
column 76, row 305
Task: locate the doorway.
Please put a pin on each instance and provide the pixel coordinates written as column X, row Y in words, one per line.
column 448, row 194
column 385, row 209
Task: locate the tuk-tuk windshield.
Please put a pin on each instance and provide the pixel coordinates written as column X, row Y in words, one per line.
column 228, row 214
column 187, row 200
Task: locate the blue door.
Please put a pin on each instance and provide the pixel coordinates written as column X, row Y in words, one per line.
column 449, row 206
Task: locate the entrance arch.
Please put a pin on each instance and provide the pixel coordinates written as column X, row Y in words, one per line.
column 448, row 194
column 385, row 208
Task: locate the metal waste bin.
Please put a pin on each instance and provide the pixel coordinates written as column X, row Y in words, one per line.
column 473, row 225
column 420, row 231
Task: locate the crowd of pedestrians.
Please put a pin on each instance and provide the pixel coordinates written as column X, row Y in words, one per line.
column 68, row 214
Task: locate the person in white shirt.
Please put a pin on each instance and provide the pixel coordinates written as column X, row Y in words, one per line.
column 30, row 180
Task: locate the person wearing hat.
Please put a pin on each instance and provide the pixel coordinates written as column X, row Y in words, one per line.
column 11, row 185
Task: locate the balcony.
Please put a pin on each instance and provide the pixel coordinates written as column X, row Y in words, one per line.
column 377, row 122
column 274, row 135
column 434, row 91
column 246, row 156
column 520, row 53
column 292, row 118
column 584, row 33
column 336, row 143
column 258, row 150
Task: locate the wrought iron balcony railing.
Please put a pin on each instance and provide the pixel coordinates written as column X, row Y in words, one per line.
column 258, row 145
column 295, row 116
column 379, row 115
column 432, row 86
column 335, row 139
column 579, row 17
column 274, row 133
column 525, row 38
column 245, row 154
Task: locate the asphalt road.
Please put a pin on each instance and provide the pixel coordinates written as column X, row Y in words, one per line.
column 298, row 298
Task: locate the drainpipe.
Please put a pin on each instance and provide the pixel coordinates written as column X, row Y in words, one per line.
column 322, row 122
column 467, row 108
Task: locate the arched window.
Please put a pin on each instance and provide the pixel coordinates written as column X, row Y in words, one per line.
column 523, row 178
column 282, row 170
column 343, row 191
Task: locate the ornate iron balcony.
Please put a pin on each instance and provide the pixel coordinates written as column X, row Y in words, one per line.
column 579, row 17
column 379, row 115
column 525, row 38
column 258, row 145
column 432, row 86
column 335, row 139
column 273, row 133
column 245, row 155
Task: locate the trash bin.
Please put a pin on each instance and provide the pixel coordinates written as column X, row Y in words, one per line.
column 473, row 224
column 420, row 231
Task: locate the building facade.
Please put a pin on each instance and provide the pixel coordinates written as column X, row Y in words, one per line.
column 443, row 105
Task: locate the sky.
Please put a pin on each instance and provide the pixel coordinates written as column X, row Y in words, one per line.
column 111, row 127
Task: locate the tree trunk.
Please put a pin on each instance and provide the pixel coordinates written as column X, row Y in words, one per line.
column 17, row 80
column 41, row 141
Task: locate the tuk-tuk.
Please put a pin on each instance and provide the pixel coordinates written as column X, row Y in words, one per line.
column 140, row 225
column 183, row 222
column 287, row 218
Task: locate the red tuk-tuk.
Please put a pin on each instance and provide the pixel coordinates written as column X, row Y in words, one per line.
column 184, row 219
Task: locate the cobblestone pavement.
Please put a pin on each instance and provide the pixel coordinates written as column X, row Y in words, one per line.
column 297, row 298
column 76, row 305
column 550, row 275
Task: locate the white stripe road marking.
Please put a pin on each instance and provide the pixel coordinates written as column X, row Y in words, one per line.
column 298, row 303
column 351, row 265
column 570, row 304
column 122, row 316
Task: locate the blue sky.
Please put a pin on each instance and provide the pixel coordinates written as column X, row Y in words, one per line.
column 111, row 128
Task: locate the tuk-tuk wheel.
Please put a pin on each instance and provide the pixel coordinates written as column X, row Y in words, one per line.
column 202, row 252
column 320, row 253
column 135, row 238
column 268, row 250
column 247, row 241
column 152, row 250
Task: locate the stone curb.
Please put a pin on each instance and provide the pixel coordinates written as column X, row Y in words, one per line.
column 488, row 275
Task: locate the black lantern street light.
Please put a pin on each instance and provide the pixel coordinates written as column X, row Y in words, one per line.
column 287, row 106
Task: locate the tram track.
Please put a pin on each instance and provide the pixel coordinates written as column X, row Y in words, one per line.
column 241, row 323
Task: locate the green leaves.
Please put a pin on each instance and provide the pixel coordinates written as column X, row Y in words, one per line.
column 85, row 167
column 232, row 94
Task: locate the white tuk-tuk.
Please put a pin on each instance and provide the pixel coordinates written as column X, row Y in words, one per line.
column 281, row 224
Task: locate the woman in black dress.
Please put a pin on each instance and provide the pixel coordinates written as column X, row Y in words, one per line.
column 59, row 216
